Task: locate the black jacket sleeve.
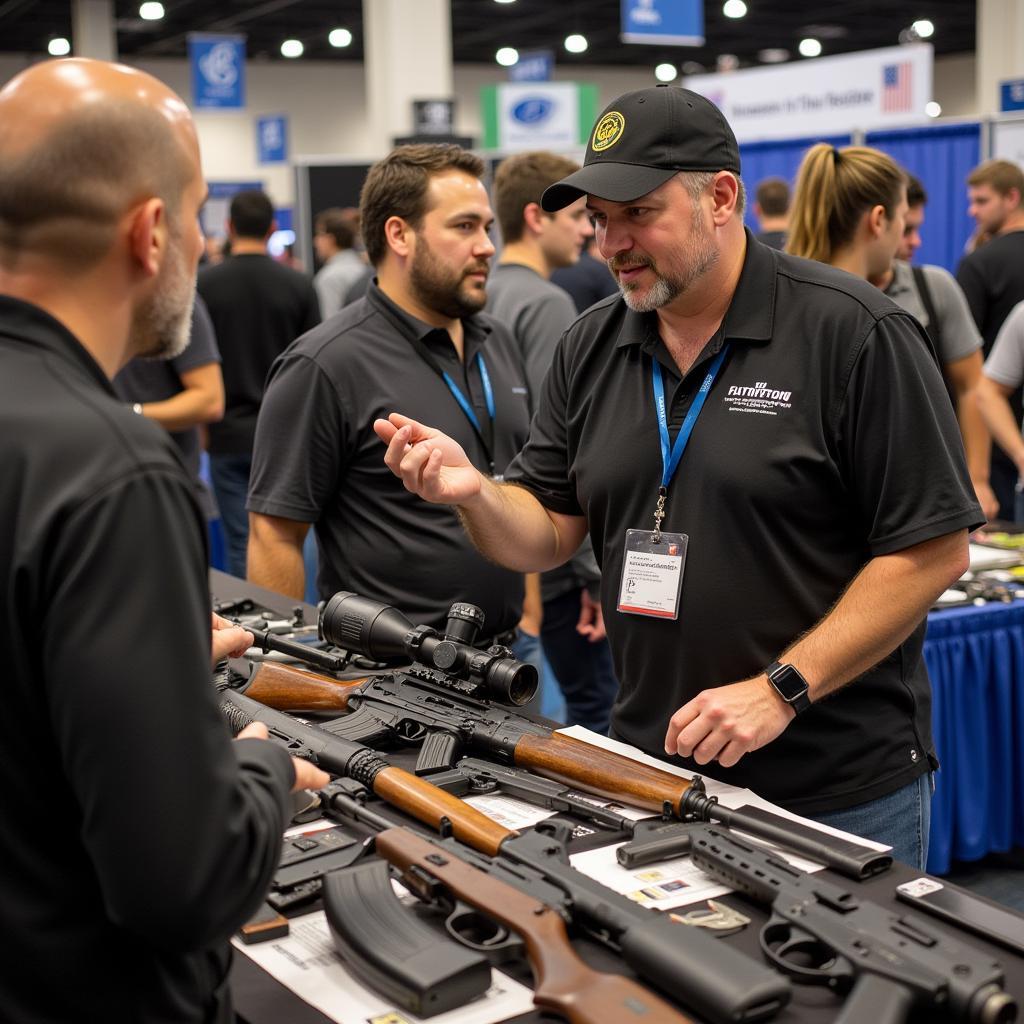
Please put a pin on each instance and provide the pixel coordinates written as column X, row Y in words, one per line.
column 183, row 827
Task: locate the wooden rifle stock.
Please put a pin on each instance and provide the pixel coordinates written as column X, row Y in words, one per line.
column 297, row 690
column 564, row 984
column 604, row 772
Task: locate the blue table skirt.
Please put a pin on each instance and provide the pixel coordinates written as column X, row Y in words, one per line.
column 975, row 657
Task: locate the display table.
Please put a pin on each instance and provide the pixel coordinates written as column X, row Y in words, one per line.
column 260, row 999
column 975, row 657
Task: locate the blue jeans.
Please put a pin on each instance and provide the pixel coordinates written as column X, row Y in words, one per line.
column 900, row 820
column 229, row 475
column 583, row 669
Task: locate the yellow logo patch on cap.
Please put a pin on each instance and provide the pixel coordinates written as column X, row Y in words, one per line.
column 608, row 131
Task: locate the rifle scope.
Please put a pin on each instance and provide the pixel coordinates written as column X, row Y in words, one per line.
column 381, row 632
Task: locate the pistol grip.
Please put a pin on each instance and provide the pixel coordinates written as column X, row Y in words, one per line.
column 876, row 999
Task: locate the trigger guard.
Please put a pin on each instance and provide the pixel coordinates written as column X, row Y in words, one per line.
column 470, row 928
column 779, row 941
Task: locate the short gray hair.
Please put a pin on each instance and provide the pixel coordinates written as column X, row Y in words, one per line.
column 696, row 184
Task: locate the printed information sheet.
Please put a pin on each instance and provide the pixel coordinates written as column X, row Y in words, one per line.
column 305, row 961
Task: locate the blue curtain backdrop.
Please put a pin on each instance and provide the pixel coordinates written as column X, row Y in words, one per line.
column 941, row 156
column 975, row 658
column 779, row 158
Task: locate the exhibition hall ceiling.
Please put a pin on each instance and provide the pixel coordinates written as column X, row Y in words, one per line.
column 481, row 27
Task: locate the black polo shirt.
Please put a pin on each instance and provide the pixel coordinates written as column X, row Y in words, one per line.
column 317, row 459
column 136, row 836
column 826, row 440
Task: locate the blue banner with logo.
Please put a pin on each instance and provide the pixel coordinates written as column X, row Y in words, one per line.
column 533, row 66
column 272, row 139
column 218, row 70
column 1011, row 95
column 675, row 22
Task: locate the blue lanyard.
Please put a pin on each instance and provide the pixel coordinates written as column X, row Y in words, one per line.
column 670, row 457
column 468, row 409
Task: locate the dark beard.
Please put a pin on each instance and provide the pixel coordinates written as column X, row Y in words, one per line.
column 440, row 289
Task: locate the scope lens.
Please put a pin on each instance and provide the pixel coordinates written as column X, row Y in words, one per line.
column 512, row 682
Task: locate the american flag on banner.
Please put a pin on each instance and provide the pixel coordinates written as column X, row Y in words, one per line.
column 897, row 87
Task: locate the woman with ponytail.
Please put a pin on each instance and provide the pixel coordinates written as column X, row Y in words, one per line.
column 848, row 209
column 849, row 212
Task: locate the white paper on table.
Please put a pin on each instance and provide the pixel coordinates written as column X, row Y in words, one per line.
column 305, row 962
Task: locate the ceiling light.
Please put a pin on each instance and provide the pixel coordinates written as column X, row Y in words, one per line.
column 734, row 8
column 151, row 11
column 292, row 48
column 507, row 56
column 773, row 55
column 59, row 47
column 810, row 48
column 340, row 37
column 923, row 28
column 504, row 1
column 932, row 109
column 576, row 43
column 665, row 72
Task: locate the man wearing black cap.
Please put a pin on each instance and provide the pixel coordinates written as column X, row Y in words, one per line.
column 774, row 488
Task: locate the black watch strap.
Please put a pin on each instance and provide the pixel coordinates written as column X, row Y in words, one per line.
column 790, row 685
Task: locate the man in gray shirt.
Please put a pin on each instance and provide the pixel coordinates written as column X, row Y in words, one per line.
column 520, row 295
column 334, row 238
column 1003, row 375
column 932, row 295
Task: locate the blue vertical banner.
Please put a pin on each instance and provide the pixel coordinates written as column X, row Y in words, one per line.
column 272, row 139
column 672, row 22
column 1011, row 95
column 218, row 70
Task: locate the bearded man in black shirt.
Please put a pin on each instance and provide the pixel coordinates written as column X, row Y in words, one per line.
column 162, row 834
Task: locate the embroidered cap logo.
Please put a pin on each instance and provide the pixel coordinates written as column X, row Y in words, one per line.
column 608, row 131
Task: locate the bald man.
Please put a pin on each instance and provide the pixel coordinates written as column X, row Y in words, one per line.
column 160, row 834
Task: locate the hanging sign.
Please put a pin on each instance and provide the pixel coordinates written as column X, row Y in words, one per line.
column 661, row 22
column 218, row 70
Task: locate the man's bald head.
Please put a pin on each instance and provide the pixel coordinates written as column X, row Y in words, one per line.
column 81, row 143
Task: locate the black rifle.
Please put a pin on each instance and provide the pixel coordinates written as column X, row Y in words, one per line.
column 820, row 934
column 661, row 839
column 715, row 980
column 450, row 702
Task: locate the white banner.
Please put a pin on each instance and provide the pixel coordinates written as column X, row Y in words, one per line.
column 538, row 115
column 824, row 96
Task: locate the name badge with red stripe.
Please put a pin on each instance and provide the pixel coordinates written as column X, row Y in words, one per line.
column 652, row 573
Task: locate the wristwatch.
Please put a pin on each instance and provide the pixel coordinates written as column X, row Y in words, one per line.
column 789, row 685
column 137, row 408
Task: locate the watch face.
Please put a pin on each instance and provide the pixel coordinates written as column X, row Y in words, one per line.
column 789, row 683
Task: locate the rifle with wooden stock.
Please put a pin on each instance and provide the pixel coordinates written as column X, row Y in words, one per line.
column 455, row 700
column 360, row 902
column 717, row 981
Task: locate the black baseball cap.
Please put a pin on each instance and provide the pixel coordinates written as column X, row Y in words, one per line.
column 641, row 140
